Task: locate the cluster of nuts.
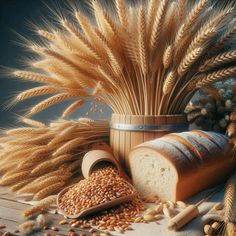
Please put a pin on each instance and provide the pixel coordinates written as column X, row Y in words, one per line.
column 212, row 107
column 212, row 229
column 103, row 185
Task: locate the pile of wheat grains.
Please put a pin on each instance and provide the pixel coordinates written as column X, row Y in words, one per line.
column 104, row 184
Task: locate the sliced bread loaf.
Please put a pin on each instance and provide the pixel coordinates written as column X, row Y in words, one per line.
column 179, row 165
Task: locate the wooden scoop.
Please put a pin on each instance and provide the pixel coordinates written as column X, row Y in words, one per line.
column 97, row 208
column 100, row 153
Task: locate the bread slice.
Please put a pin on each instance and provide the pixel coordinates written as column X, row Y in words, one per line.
column 168, row 168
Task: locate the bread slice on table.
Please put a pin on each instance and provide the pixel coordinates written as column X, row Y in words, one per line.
column 180, row 165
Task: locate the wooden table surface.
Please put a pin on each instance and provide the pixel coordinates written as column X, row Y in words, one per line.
column 11, row 216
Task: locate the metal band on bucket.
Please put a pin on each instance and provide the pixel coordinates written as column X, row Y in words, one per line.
column 152, row 127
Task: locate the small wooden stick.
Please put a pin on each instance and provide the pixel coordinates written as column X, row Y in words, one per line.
column 188, row 214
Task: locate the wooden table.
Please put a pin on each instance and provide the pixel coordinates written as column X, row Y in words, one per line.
column 11, row 216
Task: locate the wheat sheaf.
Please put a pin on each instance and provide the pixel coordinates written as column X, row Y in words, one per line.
column 144, row 58
column 41, row 159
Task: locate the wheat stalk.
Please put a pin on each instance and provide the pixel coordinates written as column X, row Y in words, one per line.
column 230, row 206
column 123, row 55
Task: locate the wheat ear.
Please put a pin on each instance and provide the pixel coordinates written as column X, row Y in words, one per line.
column 181, row 9
column 157, row 25
column 218, row 60
column 230, row 205
column 21, row 184
column 42, row 90
column 73, row 107
column 46, row 34
column 169, row 83
column 33, row 123
column 35, row 77
column 11, row 179
column 142, row 41
column 69, row 146
column 191, row 19
column 188, row 61
column 51, row 101
column 35, row 187
column 217, row 75
column 121, row 9
column 62, row 136
column 48, row 190
column 40, row 206
column 168, row 56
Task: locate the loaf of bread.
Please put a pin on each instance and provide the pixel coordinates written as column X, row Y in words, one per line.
column 179, row 165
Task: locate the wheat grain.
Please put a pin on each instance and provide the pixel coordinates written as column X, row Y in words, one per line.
column 48, row 190
column 40, row 206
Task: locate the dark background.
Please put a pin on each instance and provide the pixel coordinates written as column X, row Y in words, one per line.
column 15, row 16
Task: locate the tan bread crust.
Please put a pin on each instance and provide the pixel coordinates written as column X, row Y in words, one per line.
column 212, row 172
column 188, row 145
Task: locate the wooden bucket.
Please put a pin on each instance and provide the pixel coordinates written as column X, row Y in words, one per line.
column 127, row 131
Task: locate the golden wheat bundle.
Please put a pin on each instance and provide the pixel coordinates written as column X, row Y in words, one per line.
column 41, row 159
column 148, row 58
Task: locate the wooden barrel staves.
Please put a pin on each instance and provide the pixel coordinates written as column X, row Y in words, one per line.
column 127, row 131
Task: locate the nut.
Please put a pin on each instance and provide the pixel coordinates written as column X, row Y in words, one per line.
column 208, row 229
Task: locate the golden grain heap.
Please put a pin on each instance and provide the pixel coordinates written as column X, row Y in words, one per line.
column 148, row 58
column 41, row 159
column 103, row 185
